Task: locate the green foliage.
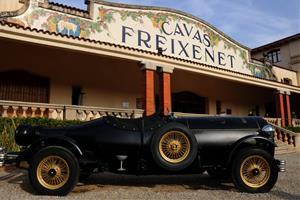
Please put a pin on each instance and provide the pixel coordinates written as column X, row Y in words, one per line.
column 295, row 129
column 8, row 127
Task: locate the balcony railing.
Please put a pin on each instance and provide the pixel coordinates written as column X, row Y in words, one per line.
column 63, row 112
column 284, row 137
column 275, row 121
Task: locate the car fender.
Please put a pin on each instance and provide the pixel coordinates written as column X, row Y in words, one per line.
column 250, row 141
column 63, row 141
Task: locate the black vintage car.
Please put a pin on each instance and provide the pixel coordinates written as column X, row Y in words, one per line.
column 240, row 148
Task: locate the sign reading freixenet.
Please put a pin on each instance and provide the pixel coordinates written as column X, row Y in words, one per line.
column 180, row 40
column 176, row 35
column 173, row 33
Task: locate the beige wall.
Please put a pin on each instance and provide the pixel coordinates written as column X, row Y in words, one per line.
column 108, row 82
column 240, row 98
column 287, row 51
column 282, row 73
column 10, row 5
column 290, row 56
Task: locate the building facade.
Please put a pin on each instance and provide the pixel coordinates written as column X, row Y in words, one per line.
column 284, row 53
column 127, row 57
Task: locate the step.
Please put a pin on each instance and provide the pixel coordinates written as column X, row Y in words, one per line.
column 283, row 144
column 286, row 147
column 289, row 149
column 279, row 152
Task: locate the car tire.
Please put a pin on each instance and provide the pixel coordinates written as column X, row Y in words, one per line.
column 54, row 170
column 219, row 173
column 254, row 170
column 174, row 154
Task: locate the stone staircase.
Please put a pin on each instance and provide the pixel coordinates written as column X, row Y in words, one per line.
column 284, row 148
column 287, row 141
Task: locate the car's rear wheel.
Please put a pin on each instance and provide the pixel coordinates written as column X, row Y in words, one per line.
column 173, row 147
column 254, row 170
column 53, row 170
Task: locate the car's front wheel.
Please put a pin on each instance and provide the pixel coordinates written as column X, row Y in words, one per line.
column 254, row 170
column 54, row 170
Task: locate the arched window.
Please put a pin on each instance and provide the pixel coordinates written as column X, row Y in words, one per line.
column 17, row 85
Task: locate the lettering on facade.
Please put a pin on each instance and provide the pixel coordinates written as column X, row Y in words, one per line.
column 200, row 49
column 173, row 34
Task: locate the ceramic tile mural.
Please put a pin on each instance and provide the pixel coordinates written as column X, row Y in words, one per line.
column 176, row 34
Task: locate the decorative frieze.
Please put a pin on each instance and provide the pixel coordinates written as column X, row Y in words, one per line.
column 162, row 31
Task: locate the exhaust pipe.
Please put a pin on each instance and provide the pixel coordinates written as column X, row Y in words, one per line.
column 281, row 165
column 2, row 156
column 7, row 158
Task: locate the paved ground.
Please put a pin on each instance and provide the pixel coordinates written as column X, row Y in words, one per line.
column 14, row 185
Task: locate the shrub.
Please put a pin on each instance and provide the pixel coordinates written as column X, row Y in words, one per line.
column 294, row 129
column 8, row 127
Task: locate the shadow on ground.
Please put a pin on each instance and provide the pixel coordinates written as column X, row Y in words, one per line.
column 157, row 183
column 172, row 183
column 108, row 181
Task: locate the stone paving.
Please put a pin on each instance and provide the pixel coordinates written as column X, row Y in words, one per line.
column 14, row 185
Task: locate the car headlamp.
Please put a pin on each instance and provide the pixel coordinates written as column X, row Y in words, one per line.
column 268, row 130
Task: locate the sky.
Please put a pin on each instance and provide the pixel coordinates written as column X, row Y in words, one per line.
column 250, row 22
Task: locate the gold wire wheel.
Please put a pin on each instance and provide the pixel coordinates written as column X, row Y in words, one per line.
column 174, row 146
column 53, row 172
column 255, row 171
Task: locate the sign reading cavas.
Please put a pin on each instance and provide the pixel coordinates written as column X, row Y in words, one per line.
column 174, row 33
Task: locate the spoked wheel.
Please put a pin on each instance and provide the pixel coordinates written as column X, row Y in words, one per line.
column 53, row 171
column 173, row 147
column 254, row 170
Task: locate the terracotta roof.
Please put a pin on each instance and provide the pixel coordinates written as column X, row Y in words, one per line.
column 276, row 43
column 66, row 9
column 5, row 23
column 86, row 14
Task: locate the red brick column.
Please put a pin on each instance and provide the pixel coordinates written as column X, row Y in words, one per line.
column 281, row 107
column 149, row 93
column 165, row 90
column 149, row 96
column 288, row 108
